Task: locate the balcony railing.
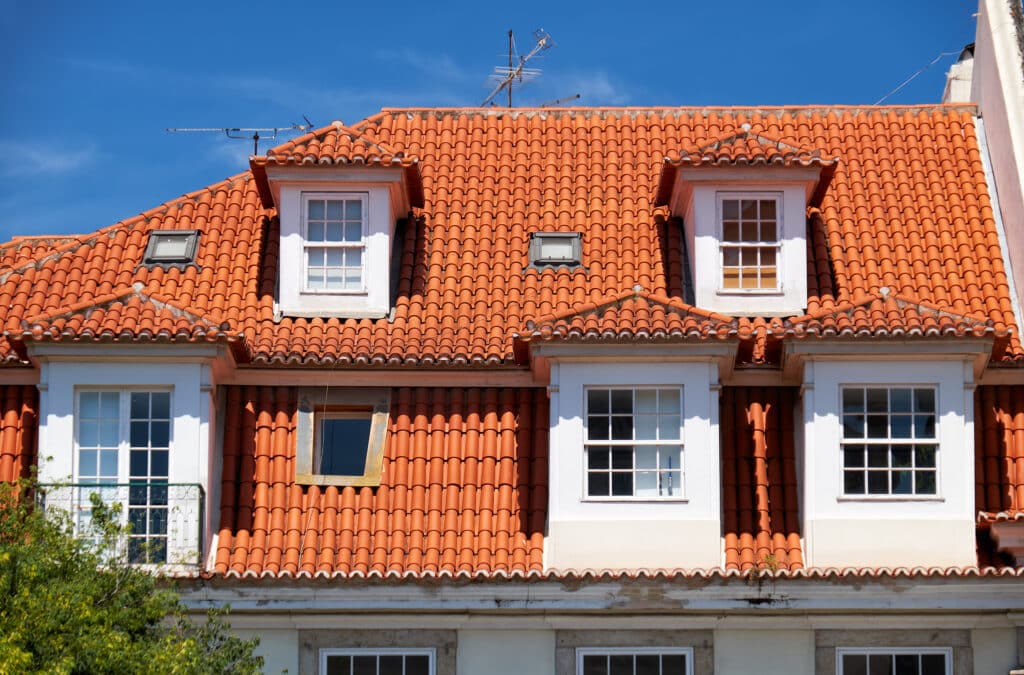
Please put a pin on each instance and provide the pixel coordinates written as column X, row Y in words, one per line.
column 164, row 520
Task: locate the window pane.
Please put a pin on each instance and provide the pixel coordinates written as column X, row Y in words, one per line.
column 853, row 483
column 620, row 664
column 622, row 428
column 647, row 458
column 89, row 404
column 597, row 401
column 933, row 664
column 622, row 484
column 334, row 257
column 924, row 455
column 668, row 401
column 88, row 434
column 925, row 482
column 900, row 400
column 853, row 456
column 391, row 664
column 673, row 664
column 139, row 405
column 598, row 485
column 334, row 209
column 110, row 404
column 158, row 463
column 900, row 426
column 671, row 484
column 748, row 209
column 646, row 427
column 343, row 446
column 902, row 482
column 647, row 401
column 877, row 400
column 622, row 459
column 878, row 482
column 417, row 664
column 855, row 664
column 364, row 665
column 646, row 484
column 853, row 400
column 878, row 456
column 161, row 434
column 315, row 209
column 768, row 231
column 853, row 426
column 88, row 463
column 924, row 426
column 730, row 230
column 924, row 400
column 878, row 426
column 906, row 664
column 595, row 665
column 334, row 232
column 880, row 664
column 339, row 665
column 108, row 463
column 354, row 209
column 730, row 208
column 315, row 232
column 597, row 458
column 668, row 428
column 648, row 664
column 622, row 401
column 901, row 456
column 109, row 432
column 767, row 211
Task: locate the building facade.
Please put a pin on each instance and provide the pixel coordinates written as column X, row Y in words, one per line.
column 559, row 392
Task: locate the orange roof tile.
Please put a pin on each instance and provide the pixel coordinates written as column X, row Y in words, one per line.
column 18, row 423
column 747, row 147
column 632, row 315
column 463, row 489
column 907, row 209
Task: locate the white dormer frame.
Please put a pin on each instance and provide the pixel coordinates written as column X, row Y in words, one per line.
column 697, row 197
column 385, row 196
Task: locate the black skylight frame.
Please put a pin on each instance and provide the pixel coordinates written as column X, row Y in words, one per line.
column 537, row 240
column 151, row 257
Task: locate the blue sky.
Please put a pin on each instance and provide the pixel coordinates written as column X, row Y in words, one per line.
column 87, row 88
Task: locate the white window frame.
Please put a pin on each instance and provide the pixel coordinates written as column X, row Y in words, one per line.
column 123, row 453
column 936, row 441
column 429, row 652
column 917, row 651
column 680, row 442
column 581, row 652
column 306, row 198
column 723, row 244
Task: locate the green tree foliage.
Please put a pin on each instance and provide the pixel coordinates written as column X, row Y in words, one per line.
column 73, row 605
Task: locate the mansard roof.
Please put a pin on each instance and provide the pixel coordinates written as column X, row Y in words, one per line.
column 907, row 209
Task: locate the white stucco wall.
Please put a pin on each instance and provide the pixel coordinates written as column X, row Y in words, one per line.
column 997, row 87
column 587, row 533
column 764, row 651
column 892, row 531
column 278, row 647
column 995, row 650
column 506, row 652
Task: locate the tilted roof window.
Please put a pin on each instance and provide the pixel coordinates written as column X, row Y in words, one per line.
column 171, row 247
column 556, row 248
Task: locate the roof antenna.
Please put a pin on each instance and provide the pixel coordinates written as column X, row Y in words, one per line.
column 248, row 133
column 516, row 71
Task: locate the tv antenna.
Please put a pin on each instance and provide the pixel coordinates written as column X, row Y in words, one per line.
column 248, row 133
column 516, row 71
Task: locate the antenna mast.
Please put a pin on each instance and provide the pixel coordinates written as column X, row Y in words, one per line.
column 243, row 133
column 506, row 76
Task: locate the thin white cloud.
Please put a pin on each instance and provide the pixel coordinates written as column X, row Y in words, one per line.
column 595, row 88
column 35, row 158
column 434, row 66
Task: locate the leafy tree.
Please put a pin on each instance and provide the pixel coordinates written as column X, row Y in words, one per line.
column 75, row 605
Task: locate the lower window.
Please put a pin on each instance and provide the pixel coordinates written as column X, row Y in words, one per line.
column 377, row 661
column 638, row 661
column 893, row 662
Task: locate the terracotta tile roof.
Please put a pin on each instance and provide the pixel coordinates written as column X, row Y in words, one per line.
column 20, row 250
column 761, row 517
column 749, row 147
column 463, row 489
column 18, row 423
column 907, row 209
column 888, row 314
column 999, row 449
column 633, row 315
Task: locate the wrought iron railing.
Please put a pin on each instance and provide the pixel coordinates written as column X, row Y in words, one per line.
column 164, row 521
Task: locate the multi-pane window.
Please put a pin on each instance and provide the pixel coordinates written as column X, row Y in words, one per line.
column 750, row 242
column 377, row 661
column 642, row 661
column 893, row 662
column 123, row 437
column 889, row 441
column 335, row 242
column 634, row 444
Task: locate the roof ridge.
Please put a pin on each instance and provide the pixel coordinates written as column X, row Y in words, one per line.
column 121, row 294
column 90, row 238
column 738, row 109
column 355, row 136
column 883, row 294
column 637, row 292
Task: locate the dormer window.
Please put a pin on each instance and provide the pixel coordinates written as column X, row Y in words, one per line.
column 749, row 242
column 743, row 200
column 341, row 198
column 334, row 242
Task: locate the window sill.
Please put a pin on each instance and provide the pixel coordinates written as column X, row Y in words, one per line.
column 329, row 293
column 339, row 481
column 890, row 498
column 634, row 500
column 750, row 291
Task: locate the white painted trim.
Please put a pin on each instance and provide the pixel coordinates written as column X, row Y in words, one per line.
column 997, row 213
column 429, row 652
column 582, row 652
column 945, row 651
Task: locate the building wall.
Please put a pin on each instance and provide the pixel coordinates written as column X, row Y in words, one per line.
column 998, row 87
column 995, row 650
column 504, row 652
column 764, row 651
